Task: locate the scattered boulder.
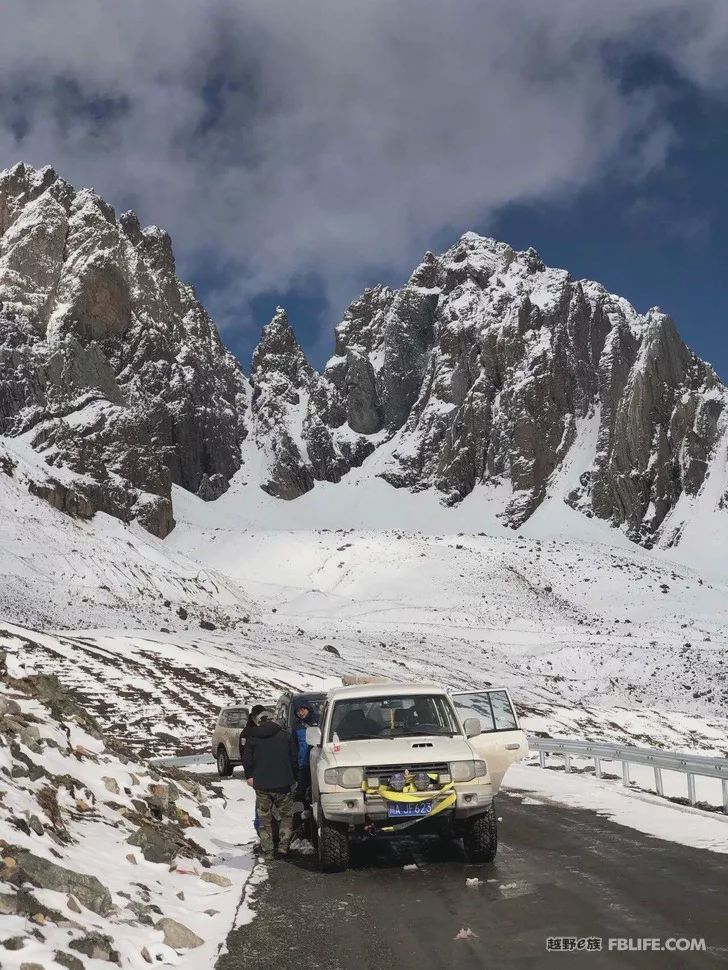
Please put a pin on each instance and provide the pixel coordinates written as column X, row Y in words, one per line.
column 159, row 796
column 159, row 953
column 155, row 846
column 98, row 946
column 36, row 825
column 14, row 943
column 216, row 879
column 8, row 706
column 48, row 875
column 68, row 960
column 8, row 904
column 177, row 935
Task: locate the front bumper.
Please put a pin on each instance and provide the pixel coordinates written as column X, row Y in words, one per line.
column 356, row 808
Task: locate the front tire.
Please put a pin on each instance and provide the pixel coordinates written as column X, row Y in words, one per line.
column 333, row 845
column 481, row 837
column 224, row 768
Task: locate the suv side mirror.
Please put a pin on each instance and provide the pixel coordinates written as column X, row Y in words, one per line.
column 313, row 736
column 472, row 727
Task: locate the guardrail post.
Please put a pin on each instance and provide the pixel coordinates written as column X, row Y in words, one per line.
column 691, row 789
column 567, row 762
column 724, row 786
column 625, row 774
column 597, row 767
column 658, row 780
column 542, row 758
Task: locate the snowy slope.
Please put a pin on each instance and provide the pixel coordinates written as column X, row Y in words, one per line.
column 76, row 878
column 582, row 621
column 63, row 571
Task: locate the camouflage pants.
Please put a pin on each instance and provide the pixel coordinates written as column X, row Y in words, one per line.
column 266, row 802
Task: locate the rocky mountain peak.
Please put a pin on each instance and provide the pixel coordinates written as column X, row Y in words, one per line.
column 109, row 367
column 490, row 370
column 279, row 352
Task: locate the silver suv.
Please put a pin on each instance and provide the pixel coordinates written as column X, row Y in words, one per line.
column 226, row 738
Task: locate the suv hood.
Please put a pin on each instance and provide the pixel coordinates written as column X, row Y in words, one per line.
column 400, row 751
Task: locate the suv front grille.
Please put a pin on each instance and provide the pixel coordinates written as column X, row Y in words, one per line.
column 385, row 772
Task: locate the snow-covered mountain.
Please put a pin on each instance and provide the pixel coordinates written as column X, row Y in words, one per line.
column 489, row 370
column 488, row 375
column 109, row 366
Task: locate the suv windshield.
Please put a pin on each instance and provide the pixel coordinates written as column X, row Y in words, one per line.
column 393, row 717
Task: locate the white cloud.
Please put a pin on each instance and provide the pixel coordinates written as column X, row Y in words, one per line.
column 331, row 137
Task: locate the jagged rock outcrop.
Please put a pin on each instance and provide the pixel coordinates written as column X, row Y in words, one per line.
column 298, row 417
column 485, row 369
column 109, row 366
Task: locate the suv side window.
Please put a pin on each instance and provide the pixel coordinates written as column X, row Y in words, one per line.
column 476, row 705
column 492, row 708
column 505, row 719
column 281, row 711
column 234, row 717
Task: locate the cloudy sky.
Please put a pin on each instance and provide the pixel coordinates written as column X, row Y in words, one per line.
column 298, row 150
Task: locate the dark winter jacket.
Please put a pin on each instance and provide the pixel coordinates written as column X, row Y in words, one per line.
column 270, row 757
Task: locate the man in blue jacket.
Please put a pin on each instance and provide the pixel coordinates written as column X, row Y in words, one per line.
column 270, row 763
column 305, row 718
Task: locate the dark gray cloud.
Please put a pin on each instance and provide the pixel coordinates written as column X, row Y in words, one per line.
column 286, row 138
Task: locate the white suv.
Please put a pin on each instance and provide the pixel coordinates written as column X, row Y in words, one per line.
column 393, row 757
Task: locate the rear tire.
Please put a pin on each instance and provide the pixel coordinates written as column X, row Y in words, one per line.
column 333, row 845
column 481, row 837
column 224, row 768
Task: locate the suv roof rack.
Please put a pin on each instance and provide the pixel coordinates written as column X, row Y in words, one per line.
column 361, row 680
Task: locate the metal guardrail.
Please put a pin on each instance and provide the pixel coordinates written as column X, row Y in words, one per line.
column 686, row 764
column 183, row 760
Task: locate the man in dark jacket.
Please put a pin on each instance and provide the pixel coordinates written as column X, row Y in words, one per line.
column 270, row 761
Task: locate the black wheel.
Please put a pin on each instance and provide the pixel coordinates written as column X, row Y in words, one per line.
column 224, row 768
column 480, row 837
column 333, row 845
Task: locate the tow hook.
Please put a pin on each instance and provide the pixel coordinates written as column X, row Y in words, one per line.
column 369, row 829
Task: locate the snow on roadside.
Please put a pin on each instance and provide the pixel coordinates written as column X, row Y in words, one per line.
column 626, row 806
column 103, row 856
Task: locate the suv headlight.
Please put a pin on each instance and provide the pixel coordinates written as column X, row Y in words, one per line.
column 344, row 777
column 462, row 770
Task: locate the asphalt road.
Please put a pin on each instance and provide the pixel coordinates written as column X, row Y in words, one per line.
column 559, row 872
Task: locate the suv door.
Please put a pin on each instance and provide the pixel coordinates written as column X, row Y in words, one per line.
column 501, row 741
column 315, row 755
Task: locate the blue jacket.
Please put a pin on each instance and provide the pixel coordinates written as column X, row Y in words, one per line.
column 300, row 730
